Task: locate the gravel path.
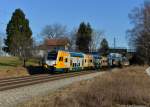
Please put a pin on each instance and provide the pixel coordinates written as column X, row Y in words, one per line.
column 11, row 98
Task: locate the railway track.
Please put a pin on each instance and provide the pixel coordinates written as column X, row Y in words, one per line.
column 11, row 83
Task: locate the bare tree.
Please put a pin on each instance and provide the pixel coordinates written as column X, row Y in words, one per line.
column 72, row 37
column 54, row 31
column 139, row 35
column 97, row 37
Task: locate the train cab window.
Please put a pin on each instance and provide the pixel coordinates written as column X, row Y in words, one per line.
column 51, row 56
column 66, row 60
column 60, row 58
column 85, row 60
column 91, row 61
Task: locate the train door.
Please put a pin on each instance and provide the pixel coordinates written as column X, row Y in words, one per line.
column 67, row 62
column 78, row 67
column 82, row 63
column 71, row 64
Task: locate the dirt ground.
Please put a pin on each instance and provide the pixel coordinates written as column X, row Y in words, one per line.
column 13, row 72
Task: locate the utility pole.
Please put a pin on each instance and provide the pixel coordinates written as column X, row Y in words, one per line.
column 114, row 42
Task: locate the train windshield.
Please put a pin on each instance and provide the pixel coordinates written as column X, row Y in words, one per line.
column 52, row 56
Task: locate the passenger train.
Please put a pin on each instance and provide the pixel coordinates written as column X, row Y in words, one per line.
column 65, row 61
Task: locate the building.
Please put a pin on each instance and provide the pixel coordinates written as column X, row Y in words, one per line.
column 2, row 53
column 57, row 44
column 53, row 44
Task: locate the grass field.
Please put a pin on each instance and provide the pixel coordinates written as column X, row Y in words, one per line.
column 128, row 86
column 12, row 67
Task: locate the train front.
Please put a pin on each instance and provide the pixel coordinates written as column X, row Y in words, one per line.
column 50, row 61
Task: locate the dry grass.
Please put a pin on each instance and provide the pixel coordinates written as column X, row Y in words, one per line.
column 12, row 67
column 131, row 86
column 13, row 72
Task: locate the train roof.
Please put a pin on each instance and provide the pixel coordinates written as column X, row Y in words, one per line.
column 115, row 55
column 79, row 54
column 76, row 54
column 96, row 56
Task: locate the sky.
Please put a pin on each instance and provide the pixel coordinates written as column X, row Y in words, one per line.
column 110, row 16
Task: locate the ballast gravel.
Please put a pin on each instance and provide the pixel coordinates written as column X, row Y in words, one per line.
column 10, row 98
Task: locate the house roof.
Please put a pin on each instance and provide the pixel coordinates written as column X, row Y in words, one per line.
column 50, row 43
column 57, row 42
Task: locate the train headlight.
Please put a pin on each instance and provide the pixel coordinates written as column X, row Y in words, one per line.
column 46, row 66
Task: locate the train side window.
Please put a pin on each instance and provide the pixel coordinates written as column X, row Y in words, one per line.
column 75, row 64
column 79, row 64
column 85, row 60
column 59, row 58
column 66, row 60
column 90, row 60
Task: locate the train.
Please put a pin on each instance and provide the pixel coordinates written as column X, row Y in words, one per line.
column 65, row 61
column 114, row 60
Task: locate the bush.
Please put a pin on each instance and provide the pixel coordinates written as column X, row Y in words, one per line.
column 129, row 87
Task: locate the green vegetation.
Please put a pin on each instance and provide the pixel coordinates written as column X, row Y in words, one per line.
column 84, row 37
column 6, row 62
column 19, row 36
column 12, row 67
column 12, row 62
column 104, row 48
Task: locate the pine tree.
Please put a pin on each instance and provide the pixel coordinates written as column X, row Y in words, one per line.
column 104, row 48
column 83, row 37
column 19, row 36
